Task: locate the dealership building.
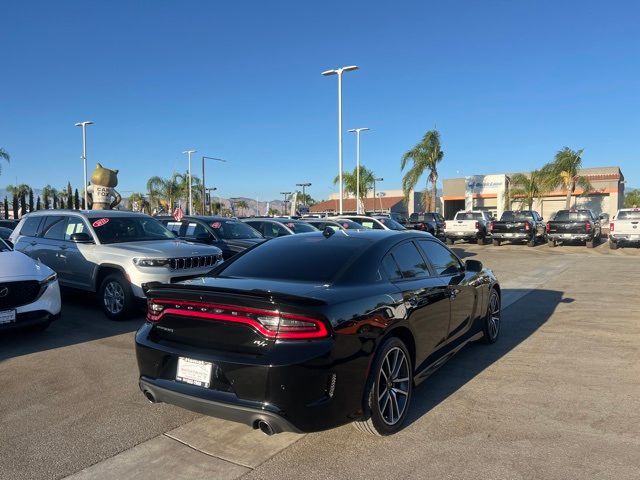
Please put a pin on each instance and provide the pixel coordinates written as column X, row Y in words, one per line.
column 487, row 192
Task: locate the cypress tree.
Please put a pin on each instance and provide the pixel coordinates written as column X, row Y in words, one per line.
column 15, row 206
column 76, row 200
column 45, row 200
column 38, row 206
column 30, row 200
column 69, row 196
column 6, row 207
column 55, row 201
column 23, row 203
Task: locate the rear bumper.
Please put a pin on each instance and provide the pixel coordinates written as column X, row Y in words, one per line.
column 216, row 404
column 463, row 235
column 625, row 238
column 570, row 237
column 511, row 235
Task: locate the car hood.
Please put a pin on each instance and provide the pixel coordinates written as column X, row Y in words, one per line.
column 17, row 266
column 160, row 249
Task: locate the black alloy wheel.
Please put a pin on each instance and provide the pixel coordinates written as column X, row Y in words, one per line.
column 389, row 390
column 493, row 318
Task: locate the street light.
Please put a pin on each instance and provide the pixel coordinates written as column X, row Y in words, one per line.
column 357, row 132
column 84, row 157
column 303, row 185
column 189, row 152
column 379, row 179
column 339, row 72
column 380, row 195
column 203, row 184
column 210, row 189
column 285, row 194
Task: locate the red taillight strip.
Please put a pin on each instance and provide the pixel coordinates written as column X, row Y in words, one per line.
column 303, row 333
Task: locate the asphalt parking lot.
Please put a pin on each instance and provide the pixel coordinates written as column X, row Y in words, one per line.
column 557, row 397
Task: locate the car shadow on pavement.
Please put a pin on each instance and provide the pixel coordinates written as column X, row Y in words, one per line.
column 462, row 253
column 82, row 321
column 517, row 325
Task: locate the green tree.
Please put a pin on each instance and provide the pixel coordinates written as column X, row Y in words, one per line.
column 242, row 206
column 564, row 172
column 526, row 187
column 164, row 192
column 273, row 212
column 49, row 192
column 23, row 204
column 30, row 200
column 140, row 202
column 38, row 205
column 632, row 198
column 6, row 208
column 307, row 200
column 424, row 157
column 76, row 200
column 69, row 196
column 14, row 205
column 55, row 201
column 4, row 156
column 350, row 180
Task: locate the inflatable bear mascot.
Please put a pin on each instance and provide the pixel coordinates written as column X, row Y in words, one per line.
column 101, row 191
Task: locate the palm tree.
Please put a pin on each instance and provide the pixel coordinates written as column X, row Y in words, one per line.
column 241, row 205
column 425, row 157
column 48, row 192
column 4, row 156
column 165, row 191
column 526, row 187
column 564, row 172
column 138, row 198
column 350, row 180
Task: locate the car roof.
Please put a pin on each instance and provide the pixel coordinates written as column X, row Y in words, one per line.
column 89, row 213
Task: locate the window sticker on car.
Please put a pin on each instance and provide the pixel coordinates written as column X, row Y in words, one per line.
column 216, row 225
column 291, row 225
column 345, row 225
column 100, row 222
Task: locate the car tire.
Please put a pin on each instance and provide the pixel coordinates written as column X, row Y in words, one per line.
column 381, row 418
column 449, row 241
column 41, row 327
column 532, row 242
column 116, row 297
column 493, row 318
column 551, row 243
column 613, row 245
column 590, row 243
column 496, row 242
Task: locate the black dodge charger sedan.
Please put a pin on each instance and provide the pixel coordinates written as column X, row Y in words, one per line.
column 307, row 332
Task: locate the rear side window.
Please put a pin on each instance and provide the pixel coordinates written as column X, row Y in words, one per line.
column 30, row 226
column 391, row 267
column 194, row 229
column 409, row 260
column 75, row 225
column 55, row 228
column 173, row 226
column 444, row 262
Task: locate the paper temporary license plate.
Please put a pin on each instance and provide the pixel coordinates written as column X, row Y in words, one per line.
column 7, row 316
column 194, row 372
column 508, row 234
column 566, row 235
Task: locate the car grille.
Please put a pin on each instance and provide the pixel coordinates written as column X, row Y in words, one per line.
column 194, row 262
column 16, row 294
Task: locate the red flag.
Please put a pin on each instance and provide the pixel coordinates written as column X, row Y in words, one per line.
column 178, row 214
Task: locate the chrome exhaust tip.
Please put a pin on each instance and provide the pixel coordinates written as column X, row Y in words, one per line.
column 265, row 428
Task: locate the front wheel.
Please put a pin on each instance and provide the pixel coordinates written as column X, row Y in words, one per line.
column 116, row 297
column 531, row 242
column 551, row 243
column 496, row 242
column 389, row 390
column 492, row 320
column 613, row 245
column 449, row 241
column 590, row 243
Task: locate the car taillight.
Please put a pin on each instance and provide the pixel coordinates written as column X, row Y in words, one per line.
column 527, row 226
column 491, row 225
column 271, row 324
column 423, row 226
column 477, row 225
column 548, row 228
column 587, row 227
column 611, row 226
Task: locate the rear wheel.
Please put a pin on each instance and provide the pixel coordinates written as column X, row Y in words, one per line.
column 449, row 241
column 613, row 245
column 496, row 242
column 590, row 243
column 492, row 320
column 532, row 242
column 116, row 297
column 389, row 390
column 551, row 243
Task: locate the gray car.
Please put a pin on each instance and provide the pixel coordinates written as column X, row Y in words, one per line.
column 116, row 254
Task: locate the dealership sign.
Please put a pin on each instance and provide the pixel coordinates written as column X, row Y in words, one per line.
column 484, row 185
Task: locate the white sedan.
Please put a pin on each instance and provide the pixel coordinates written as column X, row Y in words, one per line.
column 29, row 291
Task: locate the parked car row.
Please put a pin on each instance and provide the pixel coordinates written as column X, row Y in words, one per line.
column 527, row 226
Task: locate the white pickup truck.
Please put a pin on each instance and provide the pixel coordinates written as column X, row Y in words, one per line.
column 625, row 227
column 467, row 225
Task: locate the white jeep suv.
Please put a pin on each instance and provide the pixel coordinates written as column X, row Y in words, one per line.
column 116, row 254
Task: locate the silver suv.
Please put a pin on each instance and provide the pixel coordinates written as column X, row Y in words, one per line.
column 113, row 253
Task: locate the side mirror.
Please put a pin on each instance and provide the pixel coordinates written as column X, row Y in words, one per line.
column 81, row 237
column 473, row 265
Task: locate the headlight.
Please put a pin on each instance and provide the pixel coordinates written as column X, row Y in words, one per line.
column 151, row 262
column 50, row 279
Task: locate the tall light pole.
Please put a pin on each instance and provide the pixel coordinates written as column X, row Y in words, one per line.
column 189, row 152
column 303, row 185
column 357, row 132
column 339, row 72
column 378, row 179
column 285, row 194
column 210, row 189
column 203, row 184
column 84, row 157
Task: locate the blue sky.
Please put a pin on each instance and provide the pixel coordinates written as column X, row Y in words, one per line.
column 506, row 83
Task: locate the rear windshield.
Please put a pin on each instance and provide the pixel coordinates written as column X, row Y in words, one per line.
column 469, row 216
column 234, row 230
column 309, row 258
column 299, row 227
column 569, row 216
column 629, row 215
column 516, row 216
column 391, row 224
